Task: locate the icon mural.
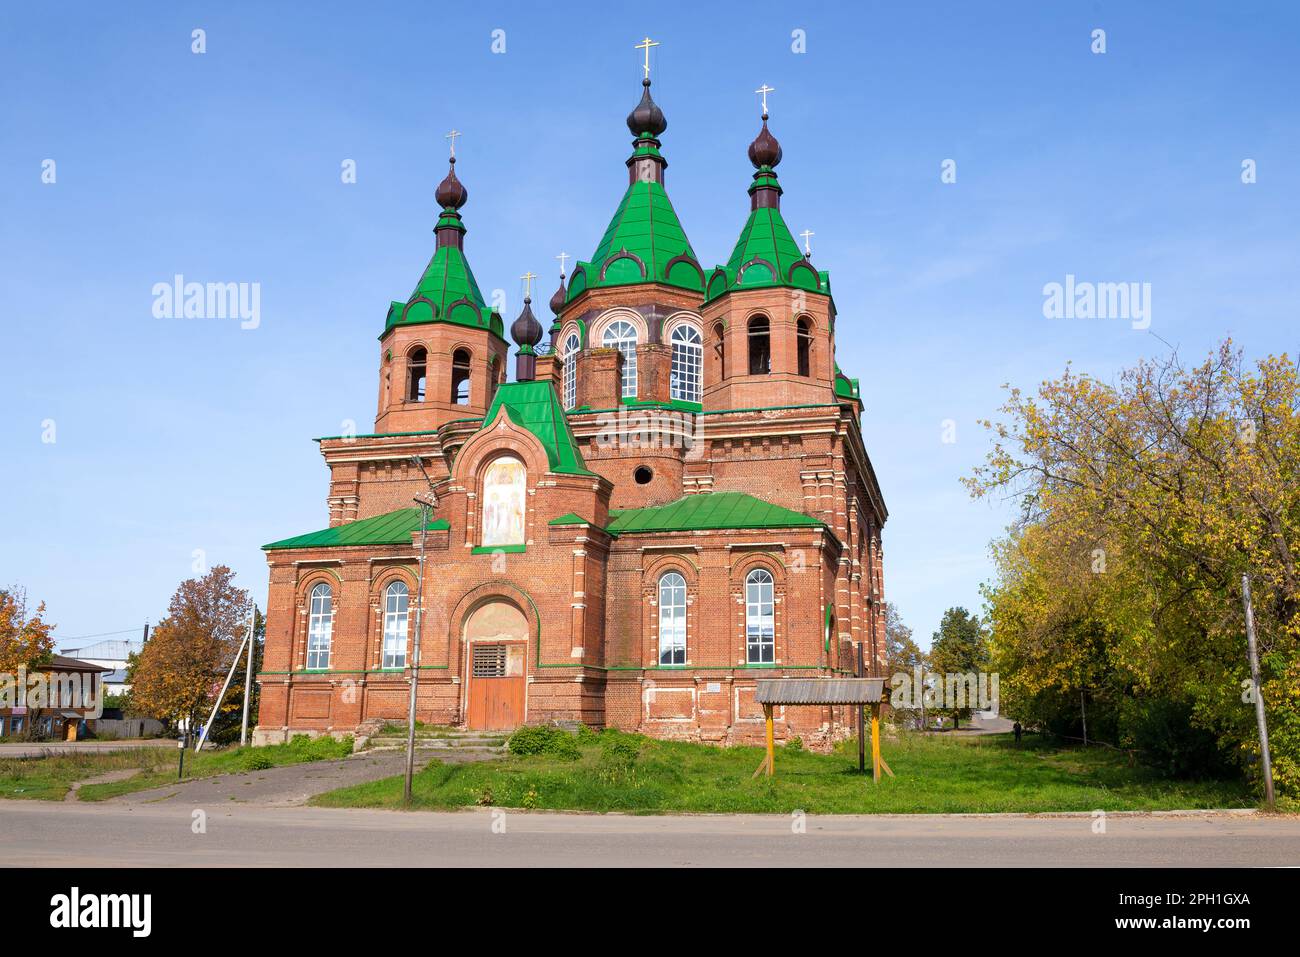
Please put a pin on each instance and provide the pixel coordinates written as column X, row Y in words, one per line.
column 503, row 502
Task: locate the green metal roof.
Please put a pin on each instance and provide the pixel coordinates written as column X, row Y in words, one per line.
column 391, row 528
column 707, row 510
column 535, row 406
column 766, row 255
column 572, row 518
column 845, row 387
column 446, row 292
column 644, row 242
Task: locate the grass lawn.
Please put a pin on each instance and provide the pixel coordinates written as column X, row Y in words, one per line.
column 935, row 774
column 50, row 778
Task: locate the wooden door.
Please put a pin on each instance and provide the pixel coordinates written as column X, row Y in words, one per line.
column 496, row 685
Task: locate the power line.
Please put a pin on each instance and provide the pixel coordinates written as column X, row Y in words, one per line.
column 102, row 634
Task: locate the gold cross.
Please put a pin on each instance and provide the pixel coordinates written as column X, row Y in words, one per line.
column 807, row 246
column 563, row 258
column 452, row 136
column 528, row 278
column 646, row 44
column 764, row 90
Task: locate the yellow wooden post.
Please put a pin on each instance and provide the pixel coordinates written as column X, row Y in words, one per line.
column 875, row 742
column 771, row 740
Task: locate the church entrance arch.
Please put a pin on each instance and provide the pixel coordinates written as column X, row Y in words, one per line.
column 496, row 653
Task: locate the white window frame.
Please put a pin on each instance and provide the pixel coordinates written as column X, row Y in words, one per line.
column 672, row 619
column 622, row 335
column 397, row 617
column 760, row 617
column 320, row 627
column 687, row 367
column 570, row 354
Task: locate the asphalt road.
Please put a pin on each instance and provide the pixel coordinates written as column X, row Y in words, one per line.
column 36, row 833
column 10, row 749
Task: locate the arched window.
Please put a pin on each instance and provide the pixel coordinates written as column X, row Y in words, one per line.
column 688, row 358
column 416, row 365
column 494, row 377
column 397, row 604
column 505, row 484
column 460, row 361
column 672, row 619
column 760, row 632
column 804, row 334
column 621, row 335
column 720, row 334
column 760, row 346
column 320, row 627
column 570, row 354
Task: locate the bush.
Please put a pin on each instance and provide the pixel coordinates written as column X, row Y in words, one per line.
column 1163, row 730
column 257, row 762
column 541, row 739
column 618, row 756
column 794, row 744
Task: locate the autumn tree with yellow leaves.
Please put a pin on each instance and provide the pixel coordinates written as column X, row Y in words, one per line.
column 26, row 641
column 178, row 673
column 1118, row 593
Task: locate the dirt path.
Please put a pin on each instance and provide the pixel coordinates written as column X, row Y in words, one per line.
column 286, row 786
column 108, row 777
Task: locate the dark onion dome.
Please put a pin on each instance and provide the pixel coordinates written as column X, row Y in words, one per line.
column 451, row 192
column 557, row 300
column 526, row 330
column 647, row 117
column 765, row 150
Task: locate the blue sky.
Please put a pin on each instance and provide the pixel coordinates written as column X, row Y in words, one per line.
column 176, row 435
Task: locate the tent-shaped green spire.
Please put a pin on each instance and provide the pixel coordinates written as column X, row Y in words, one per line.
column 447, row 290
column 766, row 253
column 645, row 241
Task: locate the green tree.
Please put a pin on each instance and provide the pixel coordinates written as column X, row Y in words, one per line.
column 959, row 647
column 1143, row 502
column 902, row 653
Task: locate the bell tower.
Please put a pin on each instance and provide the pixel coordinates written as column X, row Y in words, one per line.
column 442, row 352
column 768, row 317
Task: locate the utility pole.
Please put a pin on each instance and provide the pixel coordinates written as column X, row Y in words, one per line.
column 862, row 752
column 1252, row 652
column 1083, row 710
column 425, row 500
column 226, row 684
column 248, row 676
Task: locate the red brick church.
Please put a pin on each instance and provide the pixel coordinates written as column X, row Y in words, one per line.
column 671, row 500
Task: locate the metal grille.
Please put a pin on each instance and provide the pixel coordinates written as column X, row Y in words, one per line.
column 489, row 661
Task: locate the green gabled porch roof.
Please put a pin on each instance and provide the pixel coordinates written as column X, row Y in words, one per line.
column 645, row 226
column 705, row 511
column 391, row 528
column 535, row 406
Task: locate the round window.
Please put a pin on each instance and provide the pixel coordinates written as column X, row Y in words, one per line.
column 643, row 475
